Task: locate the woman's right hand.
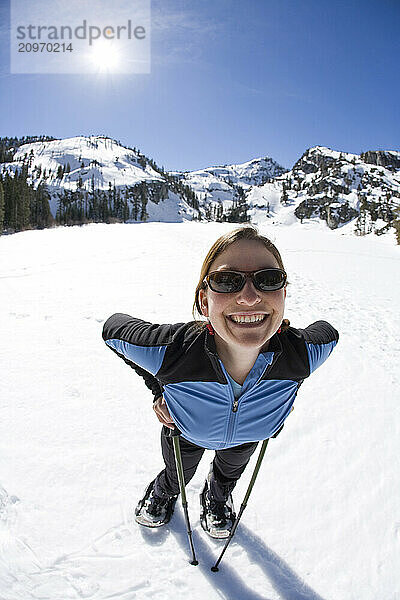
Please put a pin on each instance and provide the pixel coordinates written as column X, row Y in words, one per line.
column 162, row 412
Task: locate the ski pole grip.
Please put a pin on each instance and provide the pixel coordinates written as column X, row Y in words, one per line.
column 173, row 432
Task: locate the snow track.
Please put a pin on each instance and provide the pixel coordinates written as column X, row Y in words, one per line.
column 109, row 567
column 78, row 439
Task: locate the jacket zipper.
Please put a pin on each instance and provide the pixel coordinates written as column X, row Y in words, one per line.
column 220, row 369
column 232, row 415
column 235, row 401
column 234, row 404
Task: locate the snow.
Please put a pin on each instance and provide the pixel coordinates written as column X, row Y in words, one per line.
column 104, row 160
column 244, row 174
column 217, row 184
column 79, row 440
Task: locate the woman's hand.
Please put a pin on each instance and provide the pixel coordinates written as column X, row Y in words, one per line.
column 162, row 412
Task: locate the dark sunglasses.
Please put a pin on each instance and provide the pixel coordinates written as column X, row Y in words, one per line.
column 227, row 282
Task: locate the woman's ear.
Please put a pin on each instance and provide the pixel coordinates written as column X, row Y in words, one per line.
column 203, row 302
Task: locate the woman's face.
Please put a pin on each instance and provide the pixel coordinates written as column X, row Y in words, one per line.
column 223, row 309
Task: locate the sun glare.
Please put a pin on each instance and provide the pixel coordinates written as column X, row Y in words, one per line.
column 105, row 56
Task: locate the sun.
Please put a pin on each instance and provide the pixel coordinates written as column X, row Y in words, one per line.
column 105, row 56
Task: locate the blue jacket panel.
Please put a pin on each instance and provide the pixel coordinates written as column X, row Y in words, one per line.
column 181, row 362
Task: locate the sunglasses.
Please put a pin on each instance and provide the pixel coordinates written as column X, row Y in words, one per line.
column 227, row 282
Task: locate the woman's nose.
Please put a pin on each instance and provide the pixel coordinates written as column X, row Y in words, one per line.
column 248, row 294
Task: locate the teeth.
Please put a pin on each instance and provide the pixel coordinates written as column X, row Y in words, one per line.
column 247, row 318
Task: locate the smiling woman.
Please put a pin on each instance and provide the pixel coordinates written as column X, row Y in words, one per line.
column 225, row 383
column 246, row 315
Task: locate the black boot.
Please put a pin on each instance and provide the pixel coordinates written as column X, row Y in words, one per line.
column 217, row 513
column 154, row 510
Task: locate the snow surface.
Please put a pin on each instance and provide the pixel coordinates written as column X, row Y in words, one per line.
column 79, row 440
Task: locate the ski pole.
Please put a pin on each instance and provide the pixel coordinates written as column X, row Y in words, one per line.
column 244, row 503
column 175, row 433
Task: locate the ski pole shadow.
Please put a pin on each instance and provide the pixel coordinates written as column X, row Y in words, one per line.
column 281, row 576
column 228, row 582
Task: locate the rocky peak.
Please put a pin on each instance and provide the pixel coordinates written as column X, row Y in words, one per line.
column 316, row 158
column 381, row 158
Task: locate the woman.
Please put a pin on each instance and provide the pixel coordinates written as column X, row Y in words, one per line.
column 227, row 382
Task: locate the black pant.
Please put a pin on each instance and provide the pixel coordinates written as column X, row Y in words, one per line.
column 228, row 465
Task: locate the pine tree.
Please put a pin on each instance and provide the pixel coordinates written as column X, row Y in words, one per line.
column 1, row 207
column 40, row 209
column 363, row 225
column 144, row 200
column 396, row 223
column 9, row 199
column 22, row 212
column 125, row 210
column 284, row 196
column 103, row 207
column 135, row 203
column 31, row 157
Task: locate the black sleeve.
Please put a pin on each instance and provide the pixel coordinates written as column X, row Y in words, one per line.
column 320, row 338
column 152, row 383
column 320, row 332
column 125, row 327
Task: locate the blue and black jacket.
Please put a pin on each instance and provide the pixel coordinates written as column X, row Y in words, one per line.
column 181, row 363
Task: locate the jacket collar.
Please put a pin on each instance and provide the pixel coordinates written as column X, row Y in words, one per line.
column 275, row 344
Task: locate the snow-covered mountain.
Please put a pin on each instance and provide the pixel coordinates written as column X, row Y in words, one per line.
column 361, row 191
column 225, row 185
column 98, row 162
column 95, row 159
column 336, row 187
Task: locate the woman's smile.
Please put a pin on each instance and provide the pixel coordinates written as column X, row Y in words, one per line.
column 247, row 318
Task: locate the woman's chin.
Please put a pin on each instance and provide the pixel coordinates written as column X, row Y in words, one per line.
column 246, row 337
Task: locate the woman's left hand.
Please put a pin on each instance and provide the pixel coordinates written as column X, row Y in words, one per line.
column 162, row 412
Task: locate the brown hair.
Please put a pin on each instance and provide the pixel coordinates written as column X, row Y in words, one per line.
column 249, row 232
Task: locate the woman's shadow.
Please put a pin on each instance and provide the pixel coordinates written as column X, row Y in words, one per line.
column 229, row 581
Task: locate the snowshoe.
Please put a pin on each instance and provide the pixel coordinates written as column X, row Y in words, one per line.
column 153, row 510
column 216, row 517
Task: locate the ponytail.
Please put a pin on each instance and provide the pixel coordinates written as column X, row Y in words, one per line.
column 284, row 326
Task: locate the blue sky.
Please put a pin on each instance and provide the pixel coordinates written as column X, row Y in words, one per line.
column 231, row 80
